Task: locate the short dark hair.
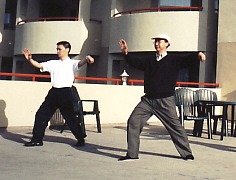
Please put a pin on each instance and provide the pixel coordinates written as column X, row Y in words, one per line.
column 66, row 44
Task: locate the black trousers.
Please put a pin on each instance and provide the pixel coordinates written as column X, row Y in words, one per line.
column 165, row 110
column 64, row 99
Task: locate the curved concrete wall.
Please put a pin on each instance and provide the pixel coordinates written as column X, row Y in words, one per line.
column 138, row 29
column 41, row 37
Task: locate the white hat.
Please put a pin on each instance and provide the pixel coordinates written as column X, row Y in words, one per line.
column 162, row 36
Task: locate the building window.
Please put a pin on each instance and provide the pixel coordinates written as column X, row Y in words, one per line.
column 58, row 8
column 10, row 14
column 180, row 2
column 216, row 6
column 191, row 72
column 6, row 66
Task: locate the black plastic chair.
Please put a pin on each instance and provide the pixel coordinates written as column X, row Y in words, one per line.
column 185, row 99
column 94, row 111
column 82, row 113
column 209, row 95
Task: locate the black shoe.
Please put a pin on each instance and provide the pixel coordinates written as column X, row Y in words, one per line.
column 188, row 157
column 80, row 142
column 127, row 158
column 34, row 143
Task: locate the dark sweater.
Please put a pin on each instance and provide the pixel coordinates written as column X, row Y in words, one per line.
column 160, row 76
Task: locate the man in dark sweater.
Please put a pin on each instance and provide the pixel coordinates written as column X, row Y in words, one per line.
column 160, row 76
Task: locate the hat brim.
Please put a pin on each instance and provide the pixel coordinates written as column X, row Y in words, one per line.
column 160, row 38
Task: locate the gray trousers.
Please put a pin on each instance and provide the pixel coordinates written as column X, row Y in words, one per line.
column 165, row 110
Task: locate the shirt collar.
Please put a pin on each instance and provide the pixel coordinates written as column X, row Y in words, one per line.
column 68, row 58
column 160, row 56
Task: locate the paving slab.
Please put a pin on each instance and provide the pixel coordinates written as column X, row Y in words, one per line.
column 59, row 159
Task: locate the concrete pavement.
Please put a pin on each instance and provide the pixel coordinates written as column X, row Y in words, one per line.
column 60, row 159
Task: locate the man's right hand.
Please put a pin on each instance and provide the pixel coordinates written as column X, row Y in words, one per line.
column 27, row 54
column 123, row 46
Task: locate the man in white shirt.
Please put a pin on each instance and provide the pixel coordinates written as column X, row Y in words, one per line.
column 61, row 95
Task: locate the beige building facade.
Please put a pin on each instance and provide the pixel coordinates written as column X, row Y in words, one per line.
column 95, row 27
column 226, row 47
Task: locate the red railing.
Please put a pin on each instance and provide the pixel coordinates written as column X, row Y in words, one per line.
column 178, row 84
column 162, row 8
column 49, row 19
column 198, row 84
column 133, row 81
column 32, row 76
column 54, row 19
column 35, row 76
column 115, row 80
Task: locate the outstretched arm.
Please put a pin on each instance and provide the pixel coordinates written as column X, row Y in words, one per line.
column 88, row 59
column 28, row 57
column 132, row 60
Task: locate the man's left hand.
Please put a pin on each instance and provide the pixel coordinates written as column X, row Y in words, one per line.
column 90, row 59
column 202, row 56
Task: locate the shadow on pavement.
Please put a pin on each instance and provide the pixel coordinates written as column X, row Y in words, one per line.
column 155, row 132
column 89, row 147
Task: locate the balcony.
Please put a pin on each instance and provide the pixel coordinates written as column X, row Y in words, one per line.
column 41, row 35
column 187, row 27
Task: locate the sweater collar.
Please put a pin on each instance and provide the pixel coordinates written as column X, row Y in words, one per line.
column 160, row 56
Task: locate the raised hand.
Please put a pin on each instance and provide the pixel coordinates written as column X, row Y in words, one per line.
column 123, row 46
column 90, row 59
column 27, row 54
column 202, row 56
